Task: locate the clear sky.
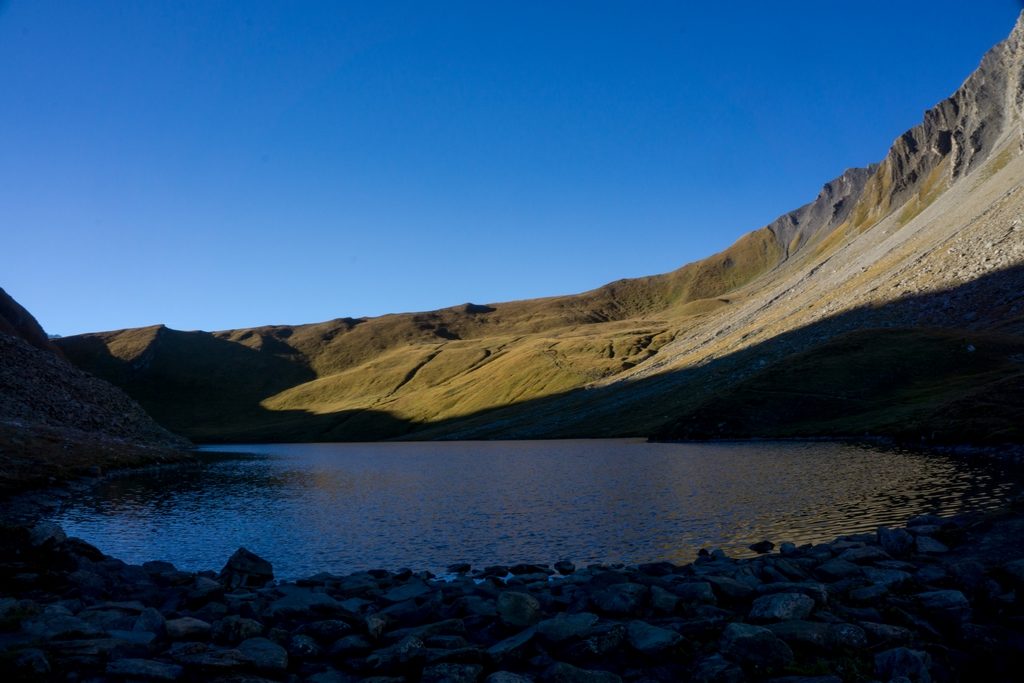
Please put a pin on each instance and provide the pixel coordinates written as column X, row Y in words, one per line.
column 211, row 164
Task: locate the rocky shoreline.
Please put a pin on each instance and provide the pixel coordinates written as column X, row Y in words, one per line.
column 941, row 599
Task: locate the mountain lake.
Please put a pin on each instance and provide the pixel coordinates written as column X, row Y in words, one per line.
column 343, row 507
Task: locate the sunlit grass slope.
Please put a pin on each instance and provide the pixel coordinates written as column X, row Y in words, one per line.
column 419, row 367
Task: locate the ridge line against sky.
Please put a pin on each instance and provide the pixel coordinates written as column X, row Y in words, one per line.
column 214, row 165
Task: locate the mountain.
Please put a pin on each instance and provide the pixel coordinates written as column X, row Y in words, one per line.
column 15, row 321
column 891, row 304
column 56, row 419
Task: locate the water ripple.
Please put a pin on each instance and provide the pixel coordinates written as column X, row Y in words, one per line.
column 343, row 507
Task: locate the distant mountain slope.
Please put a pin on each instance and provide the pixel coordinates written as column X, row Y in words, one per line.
column 926, row 242
column 55, row 418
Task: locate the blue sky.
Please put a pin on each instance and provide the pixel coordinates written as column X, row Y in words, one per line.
column 211, row 165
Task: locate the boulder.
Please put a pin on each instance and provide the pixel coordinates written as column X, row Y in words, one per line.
column 46, row 534
column 649, row 640
column 564, row 626
column 513, row 648
column 886, row 577
column 560, row 672
column 621, row 599
column 187, row 628
column 53, row 626
column 846, row 637
column 303, row 603
column 303, row 647
column 717, row 669
column 948, row 606
column 565, row 568
column 781, row 607
column 886, row 634
column 325, row 630
column 144, row 669
column 896, row 542
column 350, row 646
column 729, row 588
column 864, row 554
column 507, row 677
column 929, row 546
column 264, row 654
column 601, row 642
column 233, row 629
column 663, row 601
column 408, row 591
column 836, row 570
column 812, row 589
column 451, row 673
column 799, row 632
column 246, row 569
column 151, row 620
column 401, row 653
column 913, row 665
column 754, row 646
column 518, row 609
column 696, row 592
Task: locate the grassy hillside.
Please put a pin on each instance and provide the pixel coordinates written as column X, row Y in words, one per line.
column 837, row 318
column 417, row 368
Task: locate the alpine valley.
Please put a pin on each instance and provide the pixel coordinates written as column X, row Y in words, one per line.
column 891, row 305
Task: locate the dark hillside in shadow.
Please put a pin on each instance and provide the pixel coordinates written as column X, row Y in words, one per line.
column 945, row 366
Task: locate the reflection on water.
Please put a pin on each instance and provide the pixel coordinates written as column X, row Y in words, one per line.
column 343, row 507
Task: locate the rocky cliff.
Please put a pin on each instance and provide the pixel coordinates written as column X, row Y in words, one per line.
column 896, row 271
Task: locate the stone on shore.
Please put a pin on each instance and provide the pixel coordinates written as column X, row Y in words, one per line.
column 187, row 628
column 912, row 665
column 650, row 640
column 560, row 672
column 264, row 654
column 246, row 569
column 144, row 669
column 564, row 626
column 928, row 545
column 754, row 646
column 623, row 599
column 518, row 609
column 817, row 613
column 47, row 534
column 896, row 542
column 781, row 607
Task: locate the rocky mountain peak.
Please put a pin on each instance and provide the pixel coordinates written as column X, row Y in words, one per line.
column 962, row 131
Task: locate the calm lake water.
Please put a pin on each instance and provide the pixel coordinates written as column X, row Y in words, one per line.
column 344, row 507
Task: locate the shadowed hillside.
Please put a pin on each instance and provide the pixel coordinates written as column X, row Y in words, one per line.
column 56, row 420
column 658, row 355
column 15, row 321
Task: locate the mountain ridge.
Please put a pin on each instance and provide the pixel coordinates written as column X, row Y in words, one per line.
column 500, row 370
